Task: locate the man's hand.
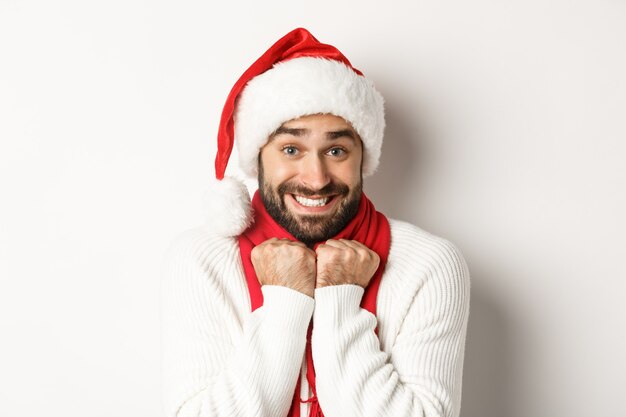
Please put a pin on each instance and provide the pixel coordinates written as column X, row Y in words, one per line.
column 285, row 263
column 345, row 262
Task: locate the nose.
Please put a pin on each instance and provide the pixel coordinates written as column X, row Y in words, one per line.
column 314, row 172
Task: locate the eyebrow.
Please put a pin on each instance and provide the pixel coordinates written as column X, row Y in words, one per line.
column 301, row 132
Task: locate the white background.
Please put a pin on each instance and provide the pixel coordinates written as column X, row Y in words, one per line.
column 506, row 130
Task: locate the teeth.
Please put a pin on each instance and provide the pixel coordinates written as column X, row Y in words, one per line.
column 319, row 202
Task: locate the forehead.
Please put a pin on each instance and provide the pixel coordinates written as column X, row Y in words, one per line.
column 322, row 120
column 324, row 126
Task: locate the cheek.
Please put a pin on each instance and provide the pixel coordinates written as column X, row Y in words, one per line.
column 349, row 174
column 275, row 170
column 279, row 174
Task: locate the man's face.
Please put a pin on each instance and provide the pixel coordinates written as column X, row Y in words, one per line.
column 310, row 176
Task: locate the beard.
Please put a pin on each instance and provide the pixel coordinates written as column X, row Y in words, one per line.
column 310, row 229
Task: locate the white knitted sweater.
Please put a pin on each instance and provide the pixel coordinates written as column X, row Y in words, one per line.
column 219, row 359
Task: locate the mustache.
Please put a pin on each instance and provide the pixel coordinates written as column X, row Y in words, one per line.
column 332, row 188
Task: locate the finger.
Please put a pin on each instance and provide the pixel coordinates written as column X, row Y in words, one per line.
column 330, row 247
column 353, row 244
column 335, row 243
column 324, row 250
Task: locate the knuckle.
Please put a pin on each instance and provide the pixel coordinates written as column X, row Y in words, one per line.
column 341, row 255
column 321, row 250
column 300, row 252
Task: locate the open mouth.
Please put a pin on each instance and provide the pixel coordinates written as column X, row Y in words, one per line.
column 312, row 202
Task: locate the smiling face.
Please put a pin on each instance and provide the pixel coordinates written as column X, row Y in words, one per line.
column 310, row 176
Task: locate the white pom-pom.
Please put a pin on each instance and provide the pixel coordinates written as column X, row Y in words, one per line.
column 227, row 207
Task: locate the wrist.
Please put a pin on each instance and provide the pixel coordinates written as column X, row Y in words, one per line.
column 322, row 283
column 286, row 307
column 339, row 297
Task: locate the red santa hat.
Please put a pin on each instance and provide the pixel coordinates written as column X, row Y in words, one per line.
column 296, row 76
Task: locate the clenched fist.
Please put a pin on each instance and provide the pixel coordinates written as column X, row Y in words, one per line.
column 286, row 263
column 345, row 262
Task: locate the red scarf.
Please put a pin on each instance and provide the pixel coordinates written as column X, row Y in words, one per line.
column 368, row 227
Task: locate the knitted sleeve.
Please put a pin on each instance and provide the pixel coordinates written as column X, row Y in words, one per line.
column 425, row 306
column 218, row 359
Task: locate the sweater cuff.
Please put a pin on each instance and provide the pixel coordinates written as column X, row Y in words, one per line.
column 336, row 303
column 288, row 309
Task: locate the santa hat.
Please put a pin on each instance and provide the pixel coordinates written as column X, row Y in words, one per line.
column 296, row 76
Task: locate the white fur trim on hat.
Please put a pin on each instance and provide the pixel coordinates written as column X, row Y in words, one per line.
column 303, row 86
column 227, row 207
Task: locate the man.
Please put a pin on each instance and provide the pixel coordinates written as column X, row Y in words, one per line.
column 306, row 301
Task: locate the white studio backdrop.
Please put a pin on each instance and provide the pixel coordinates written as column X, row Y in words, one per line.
column 505, row 135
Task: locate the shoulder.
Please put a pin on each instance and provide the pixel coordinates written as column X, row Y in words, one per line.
column 200, row 244
column 421, row 252
column 198, row 250
column 200, row 268
column 410, row 240
column 426, row 278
